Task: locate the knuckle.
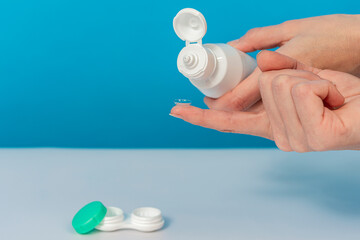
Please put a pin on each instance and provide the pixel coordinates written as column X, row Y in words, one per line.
column 282, row 144
column 301, row 90
column 283, row 148
column 281, row 82
column 288, row 24
column 264, row 80
column 298, row 146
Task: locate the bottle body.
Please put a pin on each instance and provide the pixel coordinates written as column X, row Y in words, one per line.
column 222, row 68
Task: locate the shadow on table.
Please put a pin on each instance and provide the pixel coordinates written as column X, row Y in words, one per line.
column 334, row 185
column 167, row 223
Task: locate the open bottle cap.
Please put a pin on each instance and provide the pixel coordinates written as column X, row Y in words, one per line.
column 190, row 25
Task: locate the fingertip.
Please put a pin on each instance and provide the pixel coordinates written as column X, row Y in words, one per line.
column 269, row 61
column 335, row 98
column 233, row 43
column 242, row 45
column 264, row 60
column 176, row 110
column 260, row 53
column 183, row 110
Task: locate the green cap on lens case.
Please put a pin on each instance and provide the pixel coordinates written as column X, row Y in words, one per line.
column 96, row 216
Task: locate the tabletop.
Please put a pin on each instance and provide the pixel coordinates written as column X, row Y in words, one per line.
column 203, row 194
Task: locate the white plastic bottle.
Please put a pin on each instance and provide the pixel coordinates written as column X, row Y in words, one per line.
column 213, row 68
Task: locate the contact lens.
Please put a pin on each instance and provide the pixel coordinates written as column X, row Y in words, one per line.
column 182, row 102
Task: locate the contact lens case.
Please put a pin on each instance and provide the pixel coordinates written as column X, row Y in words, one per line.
column 96, row 216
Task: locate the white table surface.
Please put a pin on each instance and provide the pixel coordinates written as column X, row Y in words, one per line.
column 203, row 194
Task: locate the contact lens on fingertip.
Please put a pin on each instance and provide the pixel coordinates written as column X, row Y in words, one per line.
column 182, row 102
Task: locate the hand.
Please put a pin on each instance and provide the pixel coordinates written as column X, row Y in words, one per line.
column 326, row 42
column 303, row 109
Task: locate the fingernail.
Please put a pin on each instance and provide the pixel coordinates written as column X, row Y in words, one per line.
column 175, row 115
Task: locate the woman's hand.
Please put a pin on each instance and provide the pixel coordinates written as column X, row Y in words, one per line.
column 305, row 108
column 326, row 42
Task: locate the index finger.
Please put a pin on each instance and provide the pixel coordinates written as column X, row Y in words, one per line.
column 238, row 122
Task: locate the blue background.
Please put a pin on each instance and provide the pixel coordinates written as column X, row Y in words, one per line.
column 76, row 73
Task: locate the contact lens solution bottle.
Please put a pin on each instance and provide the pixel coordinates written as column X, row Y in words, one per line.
column 213, row 68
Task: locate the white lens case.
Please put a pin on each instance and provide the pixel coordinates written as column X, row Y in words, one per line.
column 145, row 219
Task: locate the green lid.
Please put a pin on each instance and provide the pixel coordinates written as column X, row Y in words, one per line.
column 87, row 218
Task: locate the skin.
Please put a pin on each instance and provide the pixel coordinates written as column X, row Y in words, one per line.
column 325, row 42
column 295, row 104
column 305, row 108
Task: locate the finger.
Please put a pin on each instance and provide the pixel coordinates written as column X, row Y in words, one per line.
column 263, row 38
column 257, row 107
column 346, row 83
column 270, row 61
column 244, row 95
column 277, row 123
column 281, row 89
column 309, row 98
column 247, row 93
column 239, row 122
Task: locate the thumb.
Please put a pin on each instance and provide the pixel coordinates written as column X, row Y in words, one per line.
column 270, row 61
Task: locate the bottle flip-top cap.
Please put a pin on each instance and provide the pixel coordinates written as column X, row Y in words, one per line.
column 190, row 25
column 194, row 61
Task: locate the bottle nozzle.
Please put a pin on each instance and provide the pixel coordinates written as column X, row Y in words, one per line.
column 190, row 60
column 196, row 62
